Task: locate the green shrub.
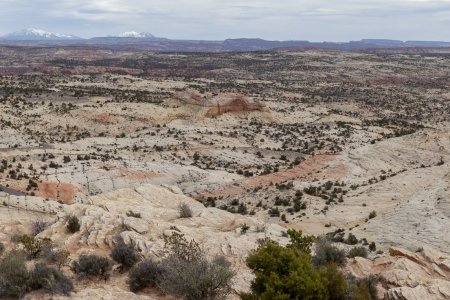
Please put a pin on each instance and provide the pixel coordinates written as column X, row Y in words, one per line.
column 335, row 281
column 300, row 242
column 124, row 254
column 13, row 275
column 351, row 239
column 73, row 224
column 284, row 273
column 92, row 265
column 49, row 279
column 143, row 275
column 32, row 246
column 326, row 253
column 358, row 251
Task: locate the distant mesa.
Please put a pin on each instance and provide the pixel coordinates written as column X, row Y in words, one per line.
column 33, row 34
column 219, row 104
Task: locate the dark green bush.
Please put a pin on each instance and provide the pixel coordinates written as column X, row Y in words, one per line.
column 351, row 239
column 92, row 265
column 284, row 273
column 124, row 254
column 335, row 281
column 73, row 224
column 49, row 279
column 143, row 275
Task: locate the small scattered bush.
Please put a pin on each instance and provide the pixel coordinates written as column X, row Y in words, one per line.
column 92, row 265
column 143, row 275
column 73, row 224
column 124, row 254
column 327, row 253
column 2, row 248
column 49, row 279
column 358, row 251
column 372, row 214
column 58, row 257
column 351, row 239
column 185, row 210
column 37, row 226
column 132, row 214
column 32, row 246
column 372, row 247
column 244, row 228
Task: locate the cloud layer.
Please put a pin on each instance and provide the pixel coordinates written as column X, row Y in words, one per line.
column 316, row 20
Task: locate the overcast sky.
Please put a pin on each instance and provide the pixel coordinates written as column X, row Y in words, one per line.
column 314, row 20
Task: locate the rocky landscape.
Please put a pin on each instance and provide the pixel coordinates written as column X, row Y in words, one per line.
column 349, row 145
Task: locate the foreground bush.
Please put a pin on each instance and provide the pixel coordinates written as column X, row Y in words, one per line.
column 362, row 288
column 124, row 254
column 143, row 275
column 284, row 273
column 93, row 266
column 49, row 279
column 16, row 280
column 187, row 273
column 13, row 275
column 287, row 272
column 327, row 253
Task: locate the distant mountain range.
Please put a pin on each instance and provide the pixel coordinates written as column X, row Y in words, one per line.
column 144, row 41
column 32, row 34
column 138, row 35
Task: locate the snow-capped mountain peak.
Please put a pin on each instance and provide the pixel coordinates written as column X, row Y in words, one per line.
column 134, row 34
column 34, row 34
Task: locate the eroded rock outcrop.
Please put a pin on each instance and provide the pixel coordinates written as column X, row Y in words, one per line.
column 406, row 275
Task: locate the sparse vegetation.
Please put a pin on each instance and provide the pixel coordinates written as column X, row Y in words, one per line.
column 184, row 210
column 92, row 266
column 73, row 224
column 187, row 273
column 124, row 254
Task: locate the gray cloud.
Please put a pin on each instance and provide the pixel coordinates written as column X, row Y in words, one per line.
column 219, row 19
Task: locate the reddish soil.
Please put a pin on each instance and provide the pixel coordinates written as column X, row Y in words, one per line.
column 319, row 167
column 104, row 118
column 50, row 190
